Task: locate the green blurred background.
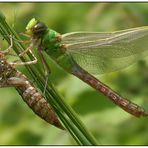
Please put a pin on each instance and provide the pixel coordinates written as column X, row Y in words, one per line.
column 107, row 122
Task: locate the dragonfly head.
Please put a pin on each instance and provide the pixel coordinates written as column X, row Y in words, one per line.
column 35, row 28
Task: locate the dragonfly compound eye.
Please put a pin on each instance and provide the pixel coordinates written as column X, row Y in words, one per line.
column 39, row 28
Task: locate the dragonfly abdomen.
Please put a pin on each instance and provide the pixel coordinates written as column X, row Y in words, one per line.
column 125, row 104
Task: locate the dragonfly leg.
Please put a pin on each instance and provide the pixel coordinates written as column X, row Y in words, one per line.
column 26, row 50
column 46, row 67
column 18, row 62
column 24, row 34
column 7, row 51
column 25, row 41
column 21, row 41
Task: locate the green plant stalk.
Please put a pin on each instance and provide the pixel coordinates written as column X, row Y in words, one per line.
column 65, row 112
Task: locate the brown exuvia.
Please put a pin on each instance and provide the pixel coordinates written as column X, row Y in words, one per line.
column 10, row 77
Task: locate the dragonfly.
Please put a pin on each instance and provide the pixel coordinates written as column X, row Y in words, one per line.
column 10, row 77
column 85, row 54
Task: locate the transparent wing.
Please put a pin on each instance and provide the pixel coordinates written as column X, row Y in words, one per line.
column 76, row 37
column 100, row 65
column 120, row 45
column 112, row 52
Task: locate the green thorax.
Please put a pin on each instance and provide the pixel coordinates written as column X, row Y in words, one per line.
column 56, row 51
column 50, row 43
